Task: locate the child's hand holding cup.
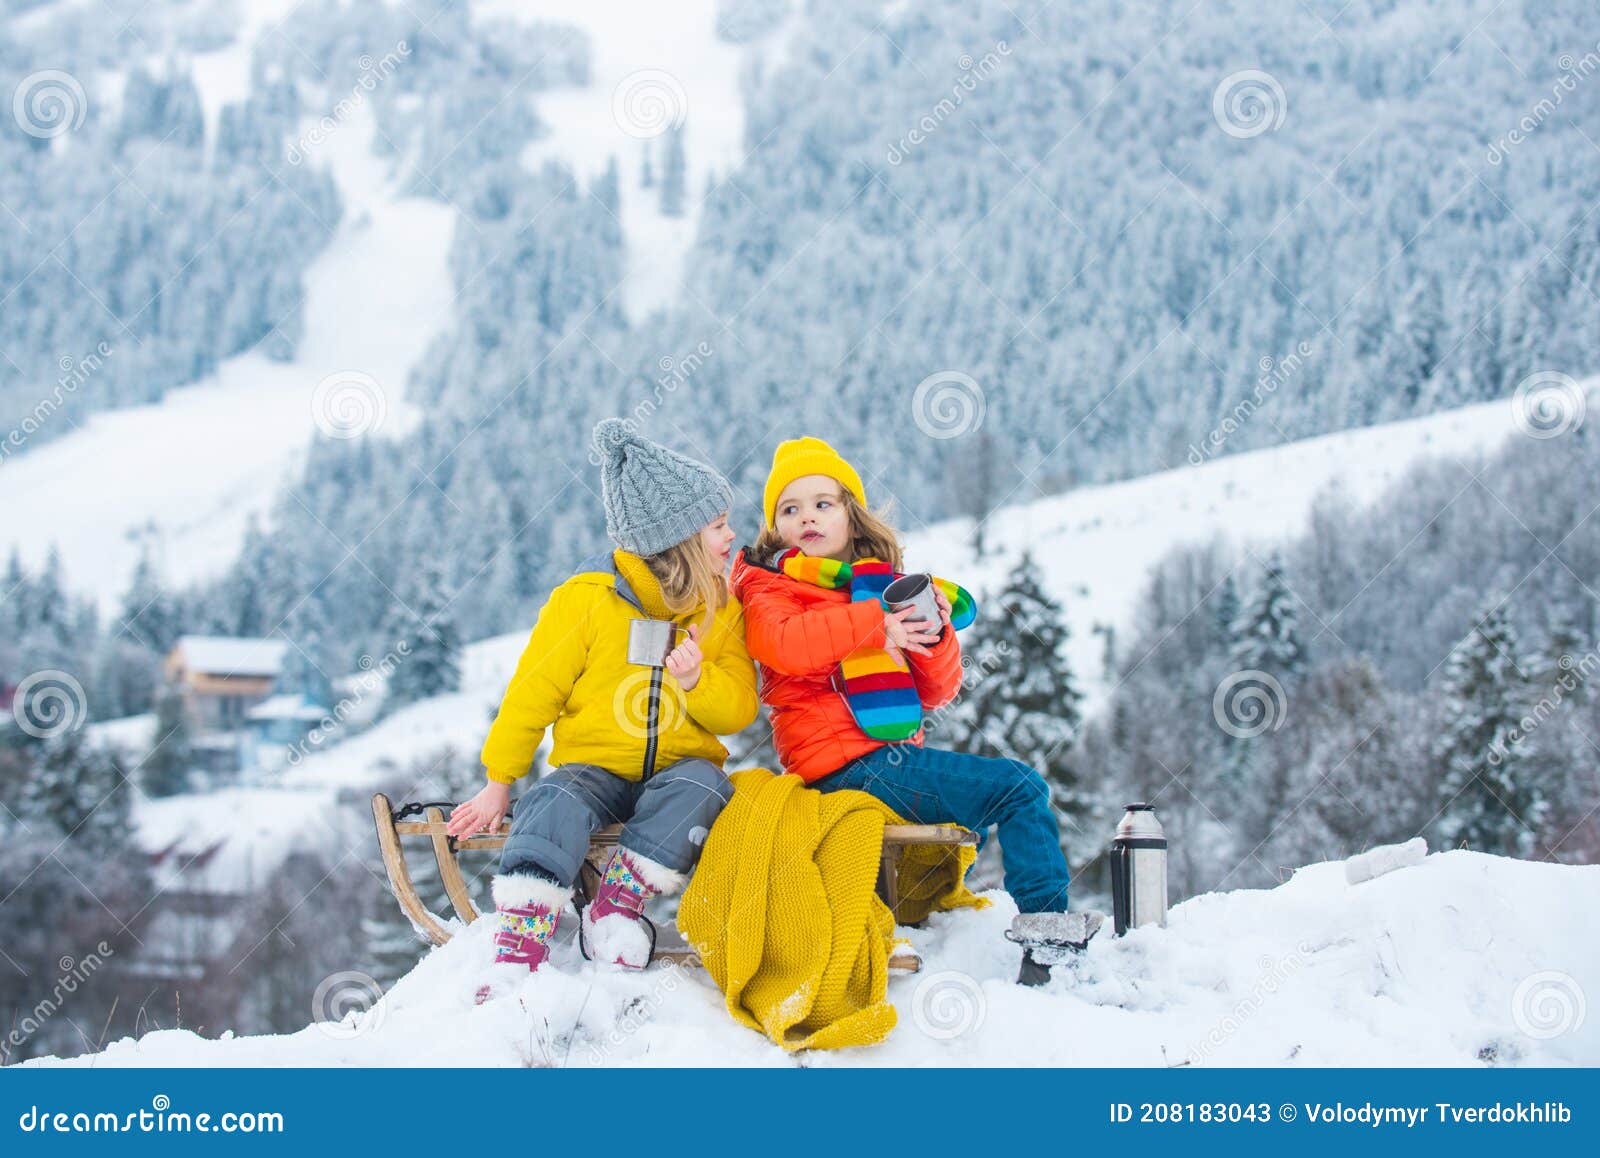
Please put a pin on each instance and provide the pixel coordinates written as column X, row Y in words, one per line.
column 917, row 612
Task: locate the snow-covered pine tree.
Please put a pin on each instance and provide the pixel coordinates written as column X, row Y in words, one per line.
column 431, row 666
column 49, row 632
column 1266, row 634
column 975, row 484
column 1020, row 698
column 1264, row 637
column 674, row 174
column 149, row 615
column 1411, row 348
column 305, row 665
column 1559, row 709
column 1227, row 612
column 1489, row 799
column 1479, row 368
column 80, row 790
column 252, row 605
column 607, row 187
column 165, row 769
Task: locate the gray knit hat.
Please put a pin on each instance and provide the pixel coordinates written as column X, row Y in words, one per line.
column 655, row 497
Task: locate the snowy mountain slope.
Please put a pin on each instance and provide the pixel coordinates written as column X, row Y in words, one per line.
column 1464, row 959
column 188, row 472
column 652, row 65
column 375, row 298
column 1095, row 546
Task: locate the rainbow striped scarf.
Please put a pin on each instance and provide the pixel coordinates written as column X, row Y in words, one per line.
column 877, row 682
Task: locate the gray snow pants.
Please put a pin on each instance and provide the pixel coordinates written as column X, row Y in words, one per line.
column 667, row 817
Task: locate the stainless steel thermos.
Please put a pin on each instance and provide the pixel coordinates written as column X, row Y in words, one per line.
column 1138, row 870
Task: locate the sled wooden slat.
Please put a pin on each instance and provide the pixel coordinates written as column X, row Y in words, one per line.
column 896, row 839
column 893, row 834
column 400, row 882
column 455, row 885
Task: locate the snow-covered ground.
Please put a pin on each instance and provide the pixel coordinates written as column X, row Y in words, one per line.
column 1462, row 960
column 375, row 297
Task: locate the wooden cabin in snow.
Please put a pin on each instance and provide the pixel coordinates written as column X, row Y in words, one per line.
column 222, row 677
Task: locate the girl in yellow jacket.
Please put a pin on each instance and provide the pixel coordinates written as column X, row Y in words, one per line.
column 635, row 734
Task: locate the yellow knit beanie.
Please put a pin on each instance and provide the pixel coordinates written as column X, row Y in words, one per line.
column 799, row 457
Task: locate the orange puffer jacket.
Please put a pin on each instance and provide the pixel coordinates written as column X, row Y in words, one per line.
column 798, row 633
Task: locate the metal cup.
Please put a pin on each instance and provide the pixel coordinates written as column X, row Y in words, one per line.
column 650, row 641
column 914, row 590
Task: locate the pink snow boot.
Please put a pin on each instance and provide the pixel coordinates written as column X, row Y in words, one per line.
column 527, row 908
column 615, row 930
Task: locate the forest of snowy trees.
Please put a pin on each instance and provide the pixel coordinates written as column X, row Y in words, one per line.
column 1080, row 247
column 136, row 255
column 1112, row 306
column 1348, row 689
column 1109, row 269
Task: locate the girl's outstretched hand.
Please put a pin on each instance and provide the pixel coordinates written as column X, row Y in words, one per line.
column 684, row 660
column 483, row 813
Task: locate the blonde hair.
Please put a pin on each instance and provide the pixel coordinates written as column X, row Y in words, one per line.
column 689, row 579
column 871, row 536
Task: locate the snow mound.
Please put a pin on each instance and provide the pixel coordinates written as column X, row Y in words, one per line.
column 1464, row 959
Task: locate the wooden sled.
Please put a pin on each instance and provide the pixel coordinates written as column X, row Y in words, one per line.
column 393, row 825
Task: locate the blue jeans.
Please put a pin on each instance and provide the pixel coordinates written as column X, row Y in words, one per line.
column 929, row 786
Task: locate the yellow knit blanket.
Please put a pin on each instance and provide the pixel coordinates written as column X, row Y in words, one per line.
column 784, row 913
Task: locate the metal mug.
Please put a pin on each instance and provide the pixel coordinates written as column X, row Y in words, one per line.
column 915, row 590
column 650, row 641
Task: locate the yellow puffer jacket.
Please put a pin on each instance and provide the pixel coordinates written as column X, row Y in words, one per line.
column 574, row 673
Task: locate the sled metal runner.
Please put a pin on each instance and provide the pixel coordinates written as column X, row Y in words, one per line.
column 393, row 825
